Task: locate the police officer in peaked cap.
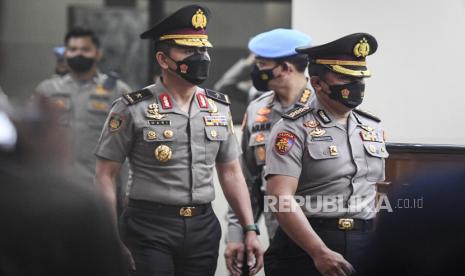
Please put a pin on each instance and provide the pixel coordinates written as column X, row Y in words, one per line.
column 174, row 134
column 327, row 157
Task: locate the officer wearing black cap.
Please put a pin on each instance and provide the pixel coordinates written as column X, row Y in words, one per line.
column 174, row 133
column 326, row 158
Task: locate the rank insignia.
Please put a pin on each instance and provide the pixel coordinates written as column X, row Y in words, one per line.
column 264, row 111
column 323, row 116
column 305, row 96
column 99, row 105
column 333, row 150
column 261, row 119
column 261, row 153
column 297, row 112
column 213, row 106
column 215, row 120
column 367, row 128
column 311, row 124
column 317, row 132
column 220, row 97
column 322, row 139
column 163, row 153
column 284, row 142
column 153, row 112
column 168, row 134
column 202, row 100
column 165, row 101
column 151, row 135
column 260, row 137
column 137, row 96
column 115, row 122
column 100, row 90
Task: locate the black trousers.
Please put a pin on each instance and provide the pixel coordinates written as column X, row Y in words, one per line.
column 171, row 245
column 284, row 257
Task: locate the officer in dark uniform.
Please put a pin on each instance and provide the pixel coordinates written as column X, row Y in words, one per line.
column 327, row 156
column 174, row 133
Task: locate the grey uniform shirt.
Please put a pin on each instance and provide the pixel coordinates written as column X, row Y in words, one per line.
column 171, row 154
column 260, row 117
column 85, row 106
column 340, row 162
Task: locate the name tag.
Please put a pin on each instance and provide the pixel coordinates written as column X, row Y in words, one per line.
column 159, row 123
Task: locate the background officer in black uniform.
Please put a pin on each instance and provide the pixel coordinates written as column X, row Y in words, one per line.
column 174, row 134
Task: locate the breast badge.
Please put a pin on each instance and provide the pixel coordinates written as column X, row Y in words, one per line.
column 153, row 112
column 163, row 153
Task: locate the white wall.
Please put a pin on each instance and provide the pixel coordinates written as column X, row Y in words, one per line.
column 418, row 83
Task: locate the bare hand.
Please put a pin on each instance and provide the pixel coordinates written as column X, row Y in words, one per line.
column 332, row 263
column 234, row 256
column 128, row 257
column 253, row 249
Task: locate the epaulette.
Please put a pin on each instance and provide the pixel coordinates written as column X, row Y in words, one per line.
column 217, row 96
column 137, row 96
column 297, row 112
column 367, row 114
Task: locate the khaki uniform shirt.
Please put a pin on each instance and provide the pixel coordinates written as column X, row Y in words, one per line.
column 171, row 153
column 330, row 161
column 85, row 106
column 261, row 116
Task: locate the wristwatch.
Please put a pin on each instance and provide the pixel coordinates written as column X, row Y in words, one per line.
column 252, row 227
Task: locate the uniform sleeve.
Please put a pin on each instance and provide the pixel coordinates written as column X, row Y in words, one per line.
column 117, row 134
column 229, row 148
column 234, row 233
column 285, row 149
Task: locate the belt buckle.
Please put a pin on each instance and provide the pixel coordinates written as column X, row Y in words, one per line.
column 346, row 224
column 186, row 211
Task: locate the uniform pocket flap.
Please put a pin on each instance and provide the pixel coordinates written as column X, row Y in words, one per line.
column 216, row 133
column 319, row 151
column 376, row 149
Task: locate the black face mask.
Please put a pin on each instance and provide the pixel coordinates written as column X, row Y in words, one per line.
column 349, row 94
column 80, row 63
column 194, row 68
column 260, row 78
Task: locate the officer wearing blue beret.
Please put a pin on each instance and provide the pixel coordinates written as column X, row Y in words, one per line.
column 325, row 160
column 280, row 72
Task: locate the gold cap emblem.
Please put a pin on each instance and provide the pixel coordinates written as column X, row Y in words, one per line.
column 362, row 48
column 199, row 20
column 163, row 153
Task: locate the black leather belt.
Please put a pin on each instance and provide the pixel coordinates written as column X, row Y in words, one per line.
column 344, row 224
column 170, row 210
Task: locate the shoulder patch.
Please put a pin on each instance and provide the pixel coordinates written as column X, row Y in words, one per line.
column 138, row 96
column 217, row 96
column 367, row 115
column 297, row 112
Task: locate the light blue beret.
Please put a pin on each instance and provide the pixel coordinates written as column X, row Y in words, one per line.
column 278, row 43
